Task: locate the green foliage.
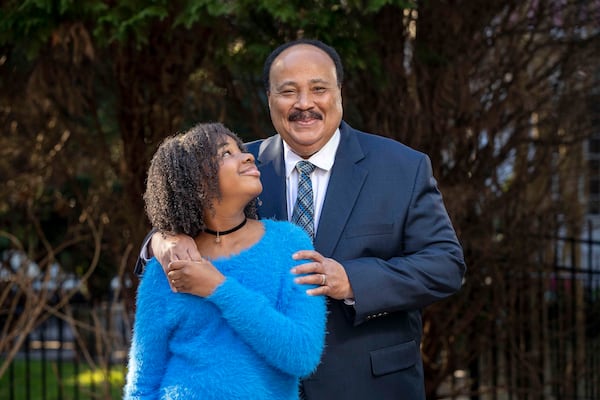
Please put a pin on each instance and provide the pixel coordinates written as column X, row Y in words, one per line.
column 130, row 20
column 31, row 23
column 371, row 6
column 194, row 11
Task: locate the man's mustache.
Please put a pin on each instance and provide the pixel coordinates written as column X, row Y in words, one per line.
column 300, row 115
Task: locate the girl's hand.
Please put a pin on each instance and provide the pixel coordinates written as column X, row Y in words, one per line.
column 195, row 277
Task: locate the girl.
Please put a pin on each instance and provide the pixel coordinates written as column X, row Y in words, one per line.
column 247, row 331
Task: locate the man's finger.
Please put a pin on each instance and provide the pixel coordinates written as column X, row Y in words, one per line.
column 307, row 255
column 307, row 268
column 178, row 256
column 321, row 290
column 194, row 254
column 176, row 265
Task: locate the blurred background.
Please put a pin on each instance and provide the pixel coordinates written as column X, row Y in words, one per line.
column 504, row 95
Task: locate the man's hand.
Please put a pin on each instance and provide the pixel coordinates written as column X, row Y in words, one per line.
column 328, row 274
column 168, row 248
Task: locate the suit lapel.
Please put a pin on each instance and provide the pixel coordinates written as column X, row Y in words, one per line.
column 345, row 184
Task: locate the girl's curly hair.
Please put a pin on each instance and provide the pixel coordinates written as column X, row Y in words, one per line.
column 183, row 179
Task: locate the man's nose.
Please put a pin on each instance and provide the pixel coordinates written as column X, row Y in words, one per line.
column 304, row 100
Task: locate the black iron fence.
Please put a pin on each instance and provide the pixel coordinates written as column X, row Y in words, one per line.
column 81, row 354
column 543, row 341
column 543, row 344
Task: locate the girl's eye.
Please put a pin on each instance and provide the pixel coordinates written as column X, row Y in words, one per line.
column 225, row 154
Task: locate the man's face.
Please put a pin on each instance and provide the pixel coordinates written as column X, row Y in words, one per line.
column 305, row 101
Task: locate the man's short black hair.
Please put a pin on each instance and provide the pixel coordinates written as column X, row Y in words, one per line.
column 335, row 57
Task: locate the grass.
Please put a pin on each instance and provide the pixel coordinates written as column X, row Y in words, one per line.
column 75, row 382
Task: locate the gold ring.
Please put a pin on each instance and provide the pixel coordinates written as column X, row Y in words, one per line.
column 323, row 279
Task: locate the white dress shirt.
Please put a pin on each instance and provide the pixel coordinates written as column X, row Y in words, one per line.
column 323, row 160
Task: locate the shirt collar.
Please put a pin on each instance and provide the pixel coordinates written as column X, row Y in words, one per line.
column 322, row 159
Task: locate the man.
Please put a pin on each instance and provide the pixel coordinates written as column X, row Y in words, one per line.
column 385, row 246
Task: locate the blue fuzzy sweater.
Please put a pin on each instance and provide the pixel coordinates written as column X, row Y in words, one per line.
column 252, row 338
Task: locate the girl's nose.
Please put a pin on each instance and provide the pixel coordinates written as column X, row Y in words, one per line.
column 248, row 157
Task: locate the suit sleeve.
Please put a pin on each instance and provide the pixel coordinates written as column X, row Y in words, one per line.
column 291, row 336
column 140, row 263
column 149, row 347
column 429, row 268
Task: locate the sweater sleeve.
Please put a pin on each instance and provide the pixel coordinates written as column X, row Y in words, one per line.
column 290, row 338
column 149, row 346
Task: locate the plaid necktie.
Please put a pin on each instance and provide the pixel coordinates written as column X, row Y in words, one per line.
column 303, row 214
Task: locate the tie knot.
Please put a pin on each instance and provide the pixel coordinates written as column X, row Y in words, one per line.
column 305, row 167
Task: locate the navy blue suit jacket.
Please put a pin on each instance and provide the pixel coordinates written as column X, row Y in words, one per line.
column 384, row 220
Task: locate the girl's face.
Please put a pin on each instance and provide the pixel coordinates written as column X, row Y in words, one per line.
column 239, row 178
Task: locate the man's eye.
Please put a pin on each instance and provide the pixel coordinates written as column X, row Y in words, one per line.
column 319, row 89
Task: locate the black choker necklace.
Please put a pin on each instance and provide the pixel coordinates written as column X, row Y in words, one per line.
column 223, row 233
